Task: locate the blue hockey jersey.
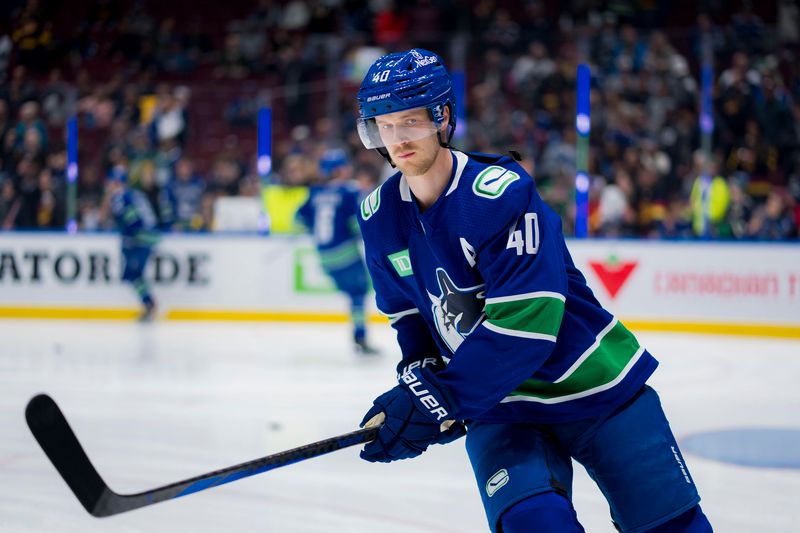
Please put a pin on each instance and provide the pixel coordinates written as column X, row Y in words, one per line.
column 330, row 214
column 135, row 218
column 484, row 280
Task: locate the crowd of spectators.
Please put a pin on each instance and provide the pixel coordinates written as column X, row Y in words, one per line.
column 171, row 100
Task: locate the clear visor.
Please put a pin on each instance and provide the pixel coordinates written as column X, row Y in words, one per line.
column 380, row 132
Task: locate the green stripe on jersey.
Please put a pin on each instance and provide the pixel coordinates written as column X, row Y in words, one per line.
column 607, row 363
column 341, row 256
column 540, row 314
column 147, row 238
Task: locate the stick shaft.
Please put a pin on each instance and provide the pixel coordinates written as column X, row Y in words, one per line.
column 52, row 431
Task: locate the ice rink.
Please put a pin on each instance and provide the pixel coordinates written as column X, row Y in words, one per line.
column 159, row 403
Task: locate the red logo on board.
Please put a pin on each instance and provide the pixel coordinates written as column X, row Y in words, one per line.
column 613, row 274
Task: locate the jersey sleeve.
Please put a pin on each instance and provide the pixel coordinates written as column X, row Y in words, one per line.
column 413, row 334
column 351, row 212
column 522, row 265
column 130, row 219
column 304, row 215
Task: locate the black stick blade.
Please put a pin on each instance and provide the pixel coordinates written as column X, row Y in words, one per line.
column 65, row 452
column 48, row 425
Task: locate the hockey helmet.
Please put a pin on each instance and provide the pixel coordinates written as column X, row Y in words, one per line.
column 118, row 174
column 400, row 81
column 332, row 159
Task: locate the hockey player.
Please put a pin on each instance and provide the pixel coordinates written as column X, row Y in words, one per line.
column 499, row 330
column 330, row 214
column 137, row 224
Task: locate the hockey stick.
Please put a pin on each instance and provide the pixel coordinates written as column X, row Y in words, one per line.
column 59, row 442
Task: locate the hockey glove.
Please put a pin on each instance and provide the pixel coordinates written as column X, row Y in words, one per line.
column 414, row 412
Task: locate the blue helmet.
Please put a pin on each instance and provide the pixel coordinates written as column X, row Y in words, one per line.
column 332, row 159
column 401, row 81
column 118, row 173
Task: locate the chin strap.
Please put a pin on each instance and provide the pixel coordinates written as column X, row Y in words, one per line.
column 385, row 153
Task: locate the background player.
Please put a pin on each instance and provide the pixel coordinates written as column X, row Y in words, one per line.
column 498, row 328
column 330, row 214
column 137, row 224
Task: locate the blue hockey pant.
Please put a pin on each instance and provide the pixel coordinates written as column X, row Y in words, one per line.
column 630, row 453
column 135, row 260
column 352, row 280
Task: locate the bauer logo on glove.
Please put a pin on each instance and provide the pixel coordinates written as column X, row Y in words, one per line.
column 424, row 396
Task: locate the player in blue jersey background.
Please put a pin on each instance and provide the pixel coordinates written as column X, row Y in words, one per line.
column 499, row 331
column 330, row 214
column 138, row 227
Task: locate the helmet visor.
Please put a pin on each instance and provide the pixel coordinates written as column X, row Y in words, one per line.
column 383, row 132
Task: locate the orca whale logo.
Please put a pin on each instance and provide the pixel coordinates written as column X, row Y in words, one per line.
column 457, row 311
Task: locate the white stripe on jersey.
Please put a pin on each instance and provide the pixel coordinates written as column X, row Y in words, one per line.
column 461, row 162
column 518, row 333
column 526, row 296
column 582, row 394
column 588, row 351
column 394, row 317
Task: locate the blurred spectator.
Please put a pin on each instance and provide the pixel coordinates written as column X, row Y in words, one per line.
column 788, row 20
column 128, row 108
column 184, row 196
column 9, row 204
column 118, row 68
column 170, row 118
column 90, row 194
column 295, row 15
column 98, row 108
column 559, row 155
column 20, row 89
column 617, row 216
column 50, row 206
column 169, row 50
column 28, row 191
column 57, row 163
column 629, row 52
column 140, row 154
column 773, row 220
column 5, row 120
column 503, row 32
column 57, row 99
column 29, row 121
column 226, row 176
column 739, row 212
column 530, row 69
column 5, row 54
column 709, row 199
column 774, row 115
column 748, row 28
column 391, row 25
column 33, row 39
column 232, row 64
column 705, row 28
column 366, row 178
column 676, row 222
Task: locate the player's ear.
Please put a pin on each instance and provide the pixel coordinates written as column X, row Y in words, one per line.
column 445, row 117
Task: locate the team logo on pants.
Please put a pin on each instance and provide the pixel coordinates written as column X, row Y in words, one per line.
column 496, row 482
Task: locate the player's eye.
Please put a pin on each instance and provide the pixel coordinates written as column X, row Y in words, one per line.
column 411, row 122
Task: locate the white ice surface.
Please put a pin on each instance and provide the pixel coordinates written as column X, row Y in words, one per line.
column 160, row 403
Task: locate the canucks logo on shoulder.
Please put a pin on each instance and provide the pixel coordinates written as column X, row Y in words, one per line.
column 371, row 204
column 457, row 311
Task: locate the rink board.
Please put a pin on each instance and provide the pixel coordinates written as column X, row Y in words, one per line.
column 749, row 288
